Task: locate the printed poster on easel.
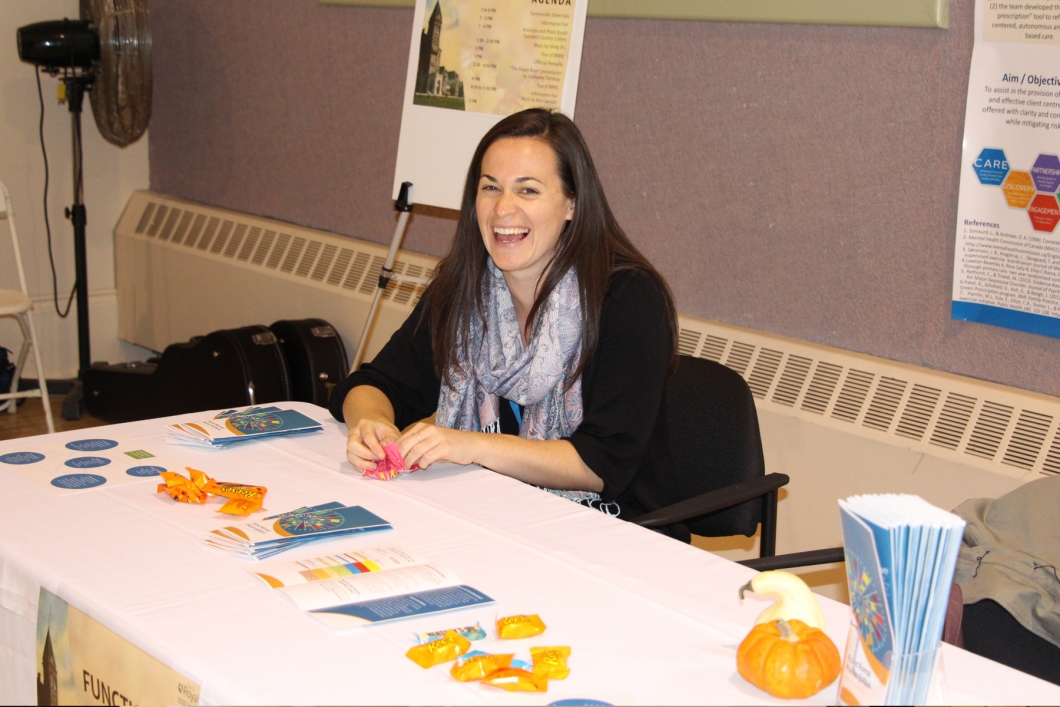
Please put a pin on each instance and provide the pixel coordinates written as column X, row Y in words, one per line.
column 471, row 63
column 82, row 662
column 1007, row 259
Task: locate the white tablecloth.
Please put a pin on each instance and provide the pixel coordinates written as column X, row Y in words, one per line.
column 649, row 620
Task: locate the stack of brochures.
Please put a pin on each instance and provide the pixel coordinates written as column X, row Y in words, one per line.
column 900, row 555
column 356, row 588
column 239, row 425
column 257, row 540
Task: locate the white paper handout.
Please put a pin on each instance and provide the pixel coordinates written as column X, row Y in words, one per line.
column 91, row 461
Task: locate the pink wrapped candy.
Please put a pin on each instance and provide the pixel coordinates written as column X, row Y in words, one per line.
column 391, row 465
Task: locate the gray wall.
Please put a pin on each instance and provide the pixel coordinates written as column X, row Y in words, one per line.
column 792, row 178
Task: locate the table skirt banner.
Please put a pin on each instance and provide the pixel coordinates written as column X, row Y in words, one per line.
column 82, row 662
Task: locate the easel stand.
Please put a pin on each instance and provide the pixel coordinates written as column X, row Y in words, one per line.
column 404, row 208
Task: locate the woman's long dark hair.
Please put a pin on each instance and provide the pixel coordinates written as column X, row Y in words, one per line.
column 592, row 243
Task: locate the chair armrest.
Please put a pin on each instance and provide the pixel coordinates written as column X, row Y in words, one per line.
column 796, row 559
column 712, row 501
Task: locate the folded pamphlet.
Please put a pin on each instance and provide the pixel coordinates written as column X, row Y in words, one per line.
column 233, row 426
column 257, row 540
column 900, row 555
column 357, row 588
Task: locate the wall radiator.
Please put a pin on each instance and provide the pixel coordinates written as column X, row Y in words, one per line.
column 185, row 269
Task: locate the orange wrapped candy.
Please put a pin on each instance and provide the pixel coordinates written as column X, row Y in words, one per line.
column 517, row 680
column 449, row 647
column 241, row 506
column 480, row 666
column 521, row 626
column 181, row 488
column 551, row 661
column 244, row 499
column 229, row 490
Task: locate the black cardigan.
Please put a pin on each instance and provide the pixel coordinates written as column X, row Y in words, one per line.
column 622, row 437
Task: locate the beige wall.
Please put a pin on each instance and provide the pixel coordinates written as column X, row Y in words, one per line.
column 111, row 174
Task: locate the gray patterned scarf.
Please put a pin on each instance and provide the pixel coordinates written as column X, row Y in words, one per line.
column 498, row 366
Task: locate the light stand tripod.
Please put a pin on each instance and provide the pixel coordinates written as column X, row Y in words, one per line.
column 76, row 85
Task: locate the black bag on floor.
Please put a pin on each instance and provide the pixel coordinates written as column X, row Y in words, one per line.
column 228, row 368
column 316, row 358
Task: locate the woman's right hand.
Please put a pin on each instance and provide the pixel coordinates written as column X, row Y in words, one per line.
column 364, row 446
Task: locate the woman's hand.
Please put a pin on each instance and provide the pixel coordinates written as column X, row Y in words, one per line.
column 424, row 444
column 364, row 445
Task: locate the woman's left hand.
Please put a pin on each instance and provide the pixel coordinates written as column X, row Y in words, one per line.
column 426, row 444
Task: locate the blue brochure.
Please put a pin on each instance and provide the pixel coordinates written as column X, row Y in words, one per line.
column 900, row 556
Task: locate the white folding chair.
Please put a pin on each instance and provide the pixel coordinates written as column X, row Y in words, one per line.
column 17, row 304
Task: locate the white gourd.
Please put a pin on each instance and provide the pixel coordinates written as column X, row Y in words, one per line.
column 794, row 598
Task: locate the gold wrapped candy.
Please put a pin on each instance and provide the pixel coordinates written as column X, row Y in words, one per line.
column 517, row 680
column 241, row 506
column 449, row 647
column 521, row 626
column 480, row 666
column 551, row 661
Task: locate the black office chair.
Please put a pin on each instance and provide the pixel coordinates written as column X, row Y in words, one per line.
column 716, row 449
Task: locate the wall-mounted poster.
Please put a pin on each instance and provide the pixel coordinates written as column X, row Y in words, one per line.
column 1007, row 261
column 471, row 63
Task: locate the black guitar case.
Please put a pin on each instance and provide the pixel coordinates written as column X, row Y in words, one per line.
column 316, row 358
column 225, row 369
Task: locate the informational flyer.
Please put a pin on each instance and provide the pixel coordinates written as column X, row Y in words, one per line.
column 82, row 662
column 1007, row 259
column 85, row 463
column 471, row 63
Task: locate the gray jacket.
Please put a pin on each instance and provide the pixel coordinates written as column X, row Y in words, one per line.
column 1011, row 554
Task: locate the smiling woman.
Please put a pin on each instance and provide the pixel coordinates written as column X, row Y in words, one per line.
column 542, row 346
column 522, row 210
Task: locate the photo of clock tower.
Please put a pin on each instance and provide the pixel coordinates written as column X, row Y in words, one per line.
column 48, row 677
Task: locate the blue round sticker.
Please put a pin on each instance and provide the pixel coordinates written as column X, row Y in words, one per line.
column 144, row 470
column 78, row 481
column 21, row 458
column 87, row 462
column 578, row 702
column 91, row 445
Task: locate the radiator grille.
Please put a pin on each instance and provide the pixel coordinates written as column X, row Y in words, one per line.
column 852, row 395
column 953, row 421
column 790, row 384
column 196, row 230
column 739, row 356
column 714, row 348
column 988, row 430
column 822, row 385
column 937, row 414
column 1027, row 439
column 918, row 411
column 765, row 369
column 249, row 243
column 687, row 341
column 884, row 404
column 327, row 257
column 209, row 233
column 182, row 228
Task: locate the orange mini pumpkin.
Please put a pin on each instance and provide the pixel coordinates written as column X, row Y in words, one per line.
column 788, row 659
